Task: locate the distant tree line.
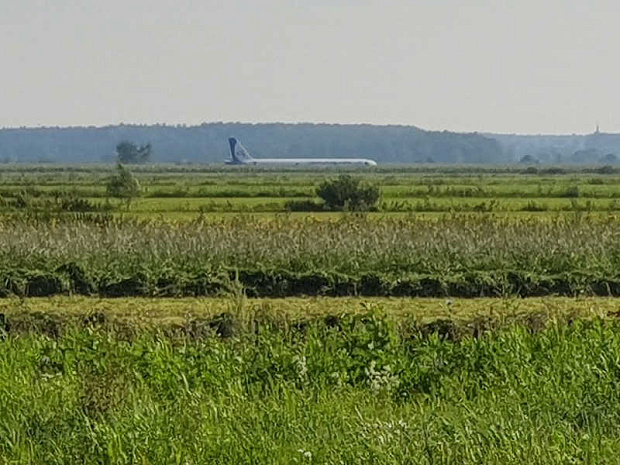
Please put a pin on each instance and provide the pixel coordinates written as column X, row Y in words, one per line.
column 207, row 143
column 590, row 149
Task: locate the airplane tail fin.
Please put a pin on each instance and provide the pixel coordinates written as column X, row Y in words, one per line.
column 238, row 152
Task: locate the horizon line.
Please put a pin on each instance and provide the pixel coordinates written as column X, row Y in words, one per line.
column 322, row 123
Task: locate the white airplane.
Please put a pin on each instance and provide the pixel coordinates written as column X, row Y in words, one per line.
column 240, row 156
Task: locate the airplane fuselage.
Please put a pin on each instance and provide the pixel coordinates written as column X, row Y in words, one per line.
column 239, row 155
column 305, row 161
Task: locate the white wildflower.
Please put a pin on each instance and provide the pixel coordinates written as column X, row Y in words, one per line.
column 302, row 367
column 382, row 378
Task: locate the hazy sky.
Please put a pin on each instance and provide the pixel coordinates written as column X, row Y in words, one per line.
column 524, row 66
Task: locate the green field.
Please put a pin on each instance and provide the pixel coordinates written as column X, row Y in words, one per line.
column 472, row 318
column 356, row 381
column 188, row 191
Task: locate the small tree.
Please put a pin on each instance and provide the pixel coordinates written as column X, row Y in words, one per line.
column 123, row 185
column 348, row 193
column 127, row 152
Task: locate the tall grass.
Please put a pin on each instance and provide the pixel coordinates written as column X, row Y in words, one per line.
column 348, row 390
column 455, row 243
column 469, row 249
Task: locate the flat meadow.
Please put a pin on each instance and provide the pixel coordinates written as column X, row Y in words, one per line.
column 192, row 190
column 220, row 316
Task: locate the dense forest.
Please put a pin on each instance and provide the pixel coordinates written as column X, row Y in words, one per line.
column 207, row 143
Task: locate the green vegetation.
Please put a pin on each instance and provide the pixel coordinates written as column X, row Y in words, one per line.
column 477, row 255
column 434, row 234
column 250, row 387
column 123, row 185
column 191, row 191
column 34, row 314
column 348, row 193
column 158, row 332
column 530, row 234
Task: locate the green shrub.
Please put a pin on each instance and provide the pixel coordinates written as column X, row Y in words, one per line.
column 123, row 184
column 349, row 193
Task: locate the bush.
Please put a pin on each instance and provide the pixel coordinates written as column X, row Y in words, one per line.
column 349, row 193
column 123, row 184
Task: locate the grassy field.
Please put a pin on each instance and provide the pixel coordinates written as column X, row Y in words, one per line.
column 367, row 386
column 472, row 319
column 181, row 191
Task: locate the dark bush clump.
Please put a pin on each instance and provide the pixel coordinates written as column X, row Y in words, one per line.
column 349, row 193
